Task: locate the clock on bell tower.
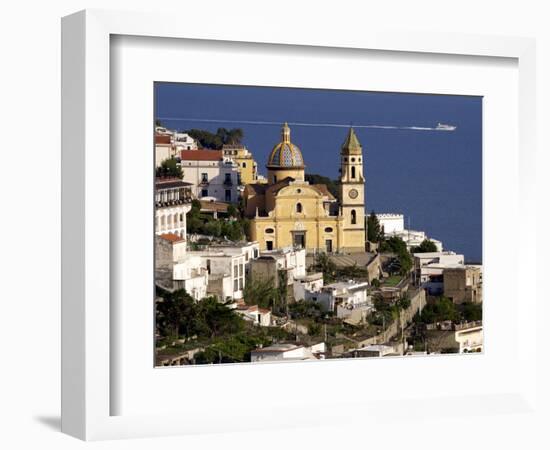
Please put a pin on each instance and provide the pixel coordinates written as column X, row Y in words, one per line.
column 352, row 193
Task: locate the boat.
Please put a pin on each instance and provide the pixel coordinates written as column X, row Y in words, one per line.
column 445, row 127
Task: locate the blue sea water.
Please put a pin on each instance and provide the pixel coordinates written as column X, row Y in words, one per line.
column 433, row 177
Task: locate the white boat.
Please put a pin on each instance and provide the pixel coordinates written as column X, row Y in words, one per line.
column 445, row 127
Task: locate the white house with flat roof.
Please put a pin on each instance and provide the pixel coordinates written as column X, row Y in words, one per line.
column 340, row 296
column 428, row 269
column 312, row 282
column 288, row 352
column 394, row 225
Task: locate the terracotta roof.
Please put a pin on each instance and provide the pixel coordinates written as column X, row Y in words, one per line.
column 163, row 139
column 171, row 237
column 169, row 183
column 201, row 155
column 213, row 206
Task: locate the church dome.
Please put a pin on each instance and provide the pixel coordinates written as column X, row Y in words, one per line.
column 285, row 154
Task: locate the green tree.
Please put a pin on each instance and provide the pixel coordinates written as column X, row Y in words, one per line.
column 261, row 292
column 373, row 228
column 332, row 185
column 232, row 211
column 471, row 311
column 175, row 313
column 426, row 246
column 169, row 168
column 216, row 319
column 397, row 246
column 304, row 309
column 439, row 310
column 324, row 264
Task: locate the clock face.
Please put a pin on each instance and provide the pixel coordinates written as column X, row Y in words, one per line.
column 353, row 193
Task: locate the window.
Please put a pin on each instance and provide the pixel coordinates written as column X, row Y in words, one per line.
column 244, row 165
column 274, row 178
column 228, row 195
column 353, row 217
column 227, row 178
column 204, row 193
column 298, row 207
column 269, row 230
column 353, row 172
column 204, row 178
column 328, row 230
column 269, row 245
column 352, row 159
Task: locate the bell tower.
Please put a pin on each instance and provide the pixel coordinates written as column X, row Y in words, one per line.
column 352, row 193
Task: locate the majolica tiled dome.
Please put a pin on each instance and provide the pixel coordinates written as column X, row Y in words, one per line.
column 285, row 153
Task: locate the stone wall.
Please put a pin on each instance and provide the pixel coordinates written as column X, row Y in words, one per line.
column 418, row 301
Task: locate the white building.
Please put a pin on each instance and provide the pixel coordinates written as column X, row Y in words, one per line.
column 163, row 148
column 394, row 225
column 172, row 202
column 373, row 351
column 226, row 273
column 255, row 314
column 428, row 269
column 182, row 141
column 391, row 223
column 176, row 269
column 312, row 283
column 250, row 250
column 288, row 352
column 341, row 297
column 211, row 175
column 469, row 337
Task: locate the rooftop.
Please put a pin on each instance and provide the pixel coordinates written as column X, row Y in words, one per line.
column 201, row 155
column 171, row 237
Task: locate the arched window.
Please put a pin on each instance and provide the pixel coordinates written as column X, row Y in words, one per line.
column 352, row 172
column 244, row 164
column 328, row 230
column 298, row 207
column 162, row 222
column 353, row 217
column 175, row 219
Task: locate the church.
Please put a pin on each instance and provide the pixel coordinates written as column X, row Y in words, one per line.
column 289, row 211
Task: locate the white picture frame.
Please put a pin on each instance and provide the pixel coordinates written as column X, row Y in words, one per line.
column 87, row 354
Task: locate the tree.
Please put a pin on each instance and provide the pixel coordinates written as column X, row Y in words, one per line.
column 440, row 310
column 216, row 141
column 332, row 185
column 169, row 168
column 324, row 264
column 216, row 319
column 426, row 246
column 397, row 245
column 305, row 309
column 232, row 211
column 471, row 311
column 175, row 313
column 373, row 228
column 261, row 292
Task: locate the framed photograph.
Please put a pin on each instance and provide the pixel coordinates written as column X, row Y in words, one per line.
column 284, row 227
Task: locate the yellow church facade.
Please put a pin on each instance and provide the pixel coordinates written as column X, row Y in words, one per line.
column 289, row 211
